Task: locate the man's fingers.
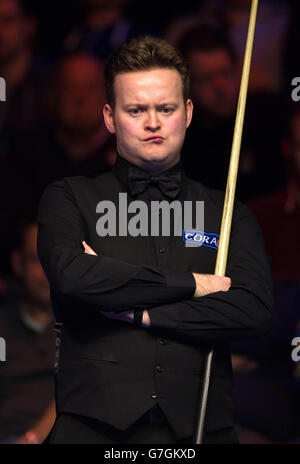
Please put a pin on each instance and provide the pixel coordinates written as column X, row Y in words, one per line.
column 210, row 283
column 225, row 283
column 88, row 249
column 218, row 284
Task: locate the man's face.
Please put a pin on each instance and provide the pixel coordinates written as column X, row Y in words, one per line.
column 214, row 83
column 150, row 117
column 12, row 30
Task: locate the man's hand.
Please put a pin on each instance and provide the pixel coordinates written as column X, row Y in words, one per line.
column 210, row 283
column 125, row 316
column 88, row 250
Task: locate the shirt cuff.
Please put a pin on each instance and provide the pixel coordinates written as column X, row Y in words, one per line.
column 183, row 283
column 164, row 317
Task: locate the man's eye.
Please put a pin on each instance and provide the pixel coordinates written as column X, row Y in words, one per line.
column 167, row 110
column 135, row 111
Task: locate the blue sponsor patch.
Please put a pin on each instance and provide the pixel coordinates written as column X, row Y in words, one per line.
column 197, row 237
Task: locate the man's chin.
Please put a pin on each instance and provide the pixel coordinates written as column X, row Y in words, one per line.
column 155, row 156
column 154, row 160
column 151, row 160
column 157, row 164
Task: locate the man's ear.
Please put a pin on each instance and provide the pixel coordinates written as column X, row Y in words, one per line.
column 189, row 112
column 109, row 118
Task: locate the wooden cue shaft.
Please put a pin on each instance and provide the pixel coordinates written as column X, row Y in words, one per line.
column 222, row 254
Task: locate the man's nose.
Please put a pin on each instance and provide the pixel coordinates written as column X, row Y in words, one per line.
column 152, row 121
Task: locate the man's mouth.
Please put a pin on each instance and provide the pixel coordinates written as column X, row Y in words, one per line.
column 154, row 138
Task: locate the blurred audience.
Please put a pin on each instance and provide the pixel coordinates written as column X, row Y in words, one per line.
column 266, row 377
column 267, row 68
column 267, row 73
column 26, row 323
column 23, row 74
column 20, row 114
column 265, row 394
column 75, row 142
column 103, row 27
column 215, row 81
column 279, row 213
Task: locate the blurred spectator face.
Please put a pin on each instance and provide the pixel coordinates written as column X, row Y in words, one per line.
column 13, row 31
column 81, row 95
column 214, row 83
column 27, row 267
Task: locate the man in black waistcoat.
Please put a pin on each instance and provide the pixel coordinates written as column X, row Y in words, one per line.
column 132, row 285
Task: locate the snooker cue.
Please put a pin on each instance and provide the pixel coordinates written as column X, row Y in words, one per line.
column 221, row 261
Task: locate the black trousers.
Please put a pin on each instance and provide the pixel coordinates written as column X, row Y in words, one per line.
column 73, row 429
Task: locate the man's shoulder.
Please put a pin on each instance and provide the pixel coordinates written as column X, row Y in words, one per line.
column 213, row 198
column 204, row 192
column 77, row 184
column 78, row 190
column 90, row 181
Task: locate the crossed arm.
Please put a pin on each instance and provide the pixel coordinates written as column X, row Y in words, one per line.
column 196, row 306
column 205, row 284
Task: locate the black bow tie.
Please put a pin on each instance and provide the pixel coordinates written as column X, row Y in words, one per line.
column 169, row 183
